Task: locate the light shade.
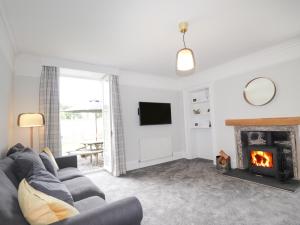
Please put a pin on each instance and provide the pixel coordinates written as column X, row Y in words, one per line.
column 185, row 60
column 31, row 120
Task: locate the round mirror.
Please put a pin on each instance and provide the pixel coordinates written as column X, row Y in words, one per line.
column 259, row 91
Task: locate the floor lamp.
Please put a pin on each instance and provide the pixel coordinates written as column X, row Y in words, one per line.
column 31, row 120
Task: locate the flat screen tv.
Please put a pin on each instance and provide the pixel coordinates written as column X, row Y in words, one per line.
column 153, row 113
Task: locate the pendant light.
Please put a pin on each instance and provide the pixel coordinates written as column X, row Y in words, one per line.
column 185, row 57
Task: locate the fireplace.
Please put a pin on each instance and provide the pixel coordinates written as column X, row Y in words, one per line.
column 263, row 160
column 275, row 147
column 267, row 153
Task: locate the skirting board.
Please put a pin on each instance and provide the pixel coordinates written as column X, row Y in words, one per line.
column 194, row 156
column 179, row 155
column 132, row 165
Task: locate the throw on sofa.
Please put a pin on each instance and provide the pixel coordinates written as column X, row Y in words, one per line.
column 89, row 200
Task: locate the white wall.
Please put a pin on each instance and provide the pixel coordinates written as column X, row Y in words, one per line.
column 229, row 101
column 26, row 99
column 130, row 96
column 5, row 103
column 201, row 144
column 6, row 74
column 134, row 87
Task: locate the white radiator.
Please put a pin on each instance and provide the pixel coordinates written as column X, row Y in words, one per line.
column 152, row 148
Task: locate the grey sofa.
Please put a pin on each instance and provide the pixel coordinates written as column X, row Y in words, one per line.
column 88, row 198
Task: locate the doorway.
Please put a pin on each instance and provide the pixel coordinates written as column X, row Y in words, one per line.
column 81, row 117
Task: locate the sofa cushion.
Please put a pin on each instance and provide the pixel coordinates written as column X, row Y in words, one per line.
column 16, row 148
column 48, row 163
column 10, row 212
column 82, row 187
column 68, row 173
column 41, row 209
column 49, row 153
column 49, row 184
column 27, row 163
column 89, row 203
column 7, row 166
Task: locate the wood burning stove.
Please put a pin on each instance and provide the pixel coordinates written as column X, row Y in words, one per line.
column 263, row 160
column 267, row 153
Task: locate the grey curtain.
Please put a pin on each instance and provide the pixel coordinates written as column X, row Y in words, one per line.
column 49, row 106
column 118, row 144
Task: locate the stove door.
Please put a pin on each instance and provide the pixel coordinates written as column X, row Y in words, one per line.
column 263, row 160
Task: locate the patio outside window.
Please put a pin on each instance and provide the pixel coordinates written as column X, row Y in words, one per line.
column 81, row 112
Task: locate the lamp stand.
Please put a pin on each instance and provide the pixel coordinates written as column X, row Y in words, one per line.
column 31, row 137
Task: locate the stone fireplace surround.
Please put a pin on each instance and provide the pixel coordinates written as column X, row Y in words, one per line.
column 293, row 131
column 265, row 124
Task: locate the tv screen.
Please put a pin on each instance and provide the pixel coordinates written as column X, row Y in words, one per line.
column 152, row 113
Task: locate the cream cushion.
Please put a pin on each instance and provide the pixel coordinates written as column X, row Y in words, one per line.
column 49, row 153
column 41, row 209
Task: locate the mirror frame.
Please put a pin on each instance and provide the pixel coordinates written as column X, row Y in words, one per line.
column 275, row 91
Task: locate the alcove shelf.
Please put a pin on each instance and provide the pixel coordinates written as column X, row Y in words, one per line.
column 200, row 109
column 197, row 125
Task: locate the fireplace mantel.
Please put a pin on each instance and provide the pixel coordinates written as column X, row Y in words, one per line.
column 279, row 121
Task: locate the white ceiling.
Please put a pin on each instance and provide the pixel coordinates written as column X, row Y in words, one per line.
column 143, row 36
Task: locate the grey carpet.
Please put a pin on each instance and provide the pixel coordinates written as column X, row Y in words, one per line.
column 192, row 192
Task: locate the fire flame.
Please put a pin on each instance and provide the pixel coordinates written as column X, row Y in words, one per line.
column 261, row 158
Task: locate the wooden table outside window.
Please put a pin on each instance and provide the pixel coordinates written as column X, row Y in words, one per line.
column 91, row 148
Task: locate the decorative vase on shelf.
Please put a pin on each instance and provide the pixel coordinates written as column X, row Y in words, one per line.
column 196, row 111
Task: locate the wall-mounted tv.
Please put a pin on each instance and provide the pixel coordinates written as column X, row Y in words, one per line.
column 153, row 113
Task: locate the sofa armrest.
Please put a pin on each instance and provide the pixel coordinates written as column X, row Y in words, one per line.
column 66, row 161
column 127, row 211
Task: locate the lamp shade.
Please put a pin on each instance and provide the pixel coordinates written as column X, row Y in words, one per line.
column 185, row 60
column 31, row 120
